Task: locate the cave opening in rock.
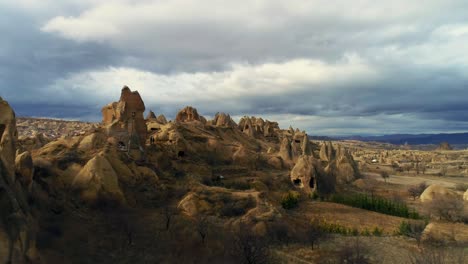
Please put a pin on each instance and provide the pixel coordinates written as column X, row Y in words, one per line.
column 2, row 129
column 121, row 145
column 297, row 182
column 181, row 154
column 297, row 141
column 312, row 183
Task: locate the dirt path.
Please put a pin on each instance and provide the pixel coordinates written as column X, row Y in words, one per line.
column 412, row 180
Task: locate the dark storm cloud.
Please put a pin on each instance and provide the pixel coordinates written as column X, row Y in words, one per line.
column 342, row 68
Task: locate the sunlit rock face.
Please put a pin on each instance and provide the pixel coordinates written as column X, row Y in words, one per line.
column 124, row 119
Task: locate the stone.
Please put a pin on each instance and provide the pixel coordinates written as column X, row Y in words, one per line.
column 465, row 195
column 124, row 119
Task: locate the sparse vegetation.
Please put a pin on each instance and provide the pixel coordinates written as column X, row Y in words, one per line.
column 290, row 200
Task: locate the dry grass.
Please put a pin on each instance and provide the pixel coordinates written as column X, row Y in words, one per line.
column 348, row 216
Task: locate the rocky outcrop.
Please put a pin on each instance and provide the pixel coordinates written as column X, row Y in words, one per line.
column 124, row 119
column 246, row 126
column 255, row 127
column 98, row 180
column 151, row 115
column 223, row 120
column 8, row 136
column 189, row 114
column 434, row 191
column 465, row 195
column 327, row 152
column 307, row 174
column 285, row 150
column 17, row 226
column 346, row 168
column 161, row 119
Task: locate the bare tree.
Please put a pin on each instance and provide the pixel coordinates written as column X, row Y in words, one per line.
column 249, row 248
column 353, row 253
column 446, row 208
column 384, row 175
column 443, row 171
column 416, row 190
column 429, row 256
column 202, row 225
column 314, row 233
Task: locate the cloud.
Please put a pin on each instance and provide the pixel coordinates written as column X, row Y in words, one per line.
column 334, row 67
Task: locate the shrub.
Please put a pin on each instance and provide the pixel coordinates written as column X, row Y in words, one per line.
column 412, row 229
column 416, row 190
column 290, row 200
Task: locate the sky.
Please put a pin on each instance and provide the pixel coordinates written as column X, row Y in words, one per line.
column 361, row 67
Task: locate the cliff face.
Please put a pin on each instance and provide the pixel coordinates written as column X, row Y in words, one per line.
column 17, row 225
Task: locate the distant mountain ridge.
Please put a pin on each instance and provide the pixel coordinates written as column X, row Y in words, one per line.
column 415, row 139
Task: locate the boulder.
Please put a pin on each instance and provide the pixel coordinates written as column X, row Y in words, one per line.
column 24, row 168
column 434, row 191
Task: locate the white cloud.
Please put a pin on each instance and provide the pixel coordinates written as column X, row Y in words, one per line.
column 241, row 81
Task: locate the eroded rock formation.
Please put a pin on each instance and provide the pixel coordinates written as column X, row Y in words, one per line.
column 17, row 229
column 124, row 119
column 189, row 114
